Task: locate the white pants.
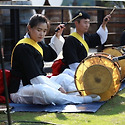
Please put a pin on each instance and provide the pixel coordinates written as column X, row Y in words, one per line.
column 45, row 94
column 67, row 82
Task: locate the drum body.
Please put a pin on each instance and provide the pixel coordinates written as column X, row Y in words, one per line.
column 98, row 74
column 117, row 51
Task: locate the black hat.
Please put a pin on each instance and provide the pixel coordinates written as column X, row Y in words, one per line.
column 84, row 15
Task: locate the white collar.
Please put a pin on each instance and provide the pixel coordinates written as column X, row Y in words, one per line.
column 27, row 35
column 82, row 36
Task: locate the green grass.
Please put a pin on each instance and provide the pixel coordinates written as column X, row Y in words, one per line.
column 111, row 113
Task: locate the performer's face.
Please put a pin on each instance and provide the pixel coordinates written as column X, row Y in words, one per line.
column 38, row 32
column 83, row 25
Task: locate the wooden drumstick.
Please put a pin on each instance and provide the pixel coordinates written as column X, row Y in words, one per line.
column 80, row 14
column 74, row 91
column 80, row 90
column 111, row 12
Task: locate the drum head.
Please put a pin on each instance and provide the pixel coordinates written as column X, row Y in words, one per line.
column 97, row 74
column 117, row 51
column 97, row 79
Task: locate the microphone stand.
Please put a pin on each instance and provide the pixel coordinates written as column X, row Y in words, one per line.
column 4, row 81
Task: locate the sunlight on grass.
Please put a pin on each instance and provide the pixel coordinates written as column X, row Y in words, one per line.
column 112, row 113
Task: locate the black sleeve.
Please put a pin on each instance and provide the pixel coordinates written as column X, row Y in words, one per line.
column 48, row 53
column 70, row 51
column 93, row 40
column 121, row 57
column 122, row 39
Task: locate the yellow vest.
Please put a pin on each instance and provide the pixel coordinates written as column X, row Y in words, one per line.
column 30, row 42
column 77, row 36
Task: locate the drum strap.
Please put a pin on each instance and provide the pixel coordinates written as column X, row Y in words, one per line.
column 30, row 42
column 77, row 36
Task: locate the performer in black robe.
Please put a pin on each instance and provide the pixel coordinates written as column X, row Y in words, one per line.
column 76, row 46
column 122, row 39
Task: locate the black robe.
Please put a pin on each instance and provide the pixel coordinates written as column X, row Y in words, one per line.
column 74, row 51
column 122, row 39
column 28, row 63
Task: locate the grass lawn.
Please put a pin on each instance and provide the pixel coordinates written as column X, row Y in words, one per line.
column 111, row 113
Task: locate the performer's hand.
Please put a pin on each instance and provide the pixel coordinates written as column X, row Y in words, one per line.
column 105, row 21
column 62, row 90
column 106, row 18
column 115, row 59
column 61, row 27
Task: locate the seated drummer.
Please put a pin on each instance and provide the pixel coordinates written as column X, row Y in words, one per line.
column 116, row 59
column 77, row 45
column 122, row 39
column 122, row 43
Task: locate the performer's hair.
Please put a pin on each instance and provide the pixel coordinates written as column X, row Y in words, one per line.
column 84, row 16
column 38, row 18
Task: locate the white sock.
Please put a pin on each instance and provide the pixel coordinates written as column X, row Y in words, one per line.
column 95, row 97
column 87, row 99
